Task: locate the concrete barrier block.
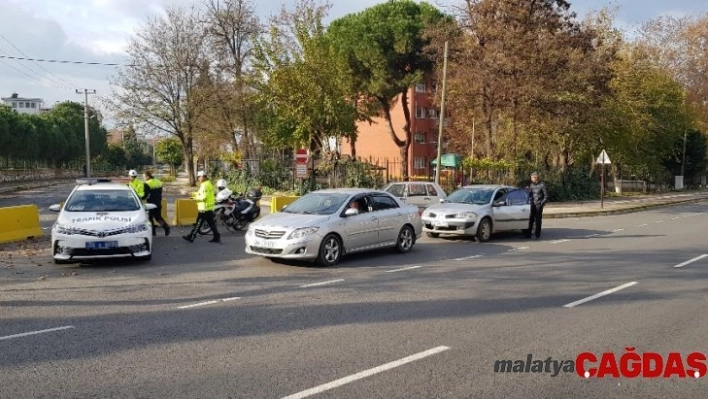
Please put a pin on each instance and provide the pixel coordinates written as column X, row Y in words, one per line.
column 277, row 203
column 19, row 223
column 185, row 212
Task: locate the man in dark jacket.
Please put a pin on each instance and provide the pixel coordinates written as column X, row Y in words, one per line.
column 155, row 197
column 538, row 197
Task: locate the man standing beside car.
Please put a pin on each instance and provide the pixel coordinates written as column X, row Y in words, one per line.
column 538, row 197
column 155, row 198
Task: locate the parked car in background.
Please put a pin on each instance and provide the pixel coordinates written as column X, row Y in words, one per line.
column 420, row 194
column 101, row 219
column 325, row 225
column 480, row 211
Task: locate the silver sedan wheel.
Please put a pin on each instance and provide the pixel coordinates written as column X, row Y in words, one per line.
column 330, row 251
column 405, row 240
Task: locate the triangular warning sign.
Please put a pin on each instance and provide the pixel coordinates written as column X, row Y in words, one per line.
column 603, row 159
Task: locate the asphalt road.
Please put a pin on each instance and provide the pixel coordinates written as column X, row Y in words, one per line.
column 206, row 321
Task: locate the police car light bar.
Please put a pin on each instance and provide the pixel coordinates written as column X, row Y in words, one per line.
column 92, row 181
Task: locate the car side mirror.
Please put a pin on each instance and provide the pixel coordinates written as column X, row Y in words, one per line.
column 283, row 208
column 150, row 207
column 442, row 200
column 499, row 203
column 351, row 212
column 55, row 208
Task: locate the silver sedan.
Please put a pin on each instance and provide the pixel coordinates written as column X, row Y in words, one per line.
column 325, row 225
column 479, row 211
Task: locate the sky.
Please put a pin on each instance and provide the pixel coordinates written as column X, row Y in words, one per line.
column 99, row 30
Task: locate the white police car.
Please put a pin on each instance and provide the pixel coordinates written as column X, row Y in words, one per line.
column 101, row 219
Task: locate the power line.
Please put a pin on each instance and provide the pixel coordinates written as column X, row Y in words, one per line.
column 58, row 79
column 64, row 61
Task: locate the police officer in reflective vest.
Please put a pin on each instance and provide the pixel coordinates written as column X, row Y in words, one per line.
column 206, row 199
column 137, row 185
column 155, row 198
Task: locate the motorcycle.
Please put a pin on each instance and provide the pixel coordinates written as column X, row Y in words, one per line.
column 234, row 211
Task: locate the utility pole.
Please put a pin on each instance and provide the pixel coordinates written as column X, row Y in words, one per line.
column 442, row 119
column 86, row 92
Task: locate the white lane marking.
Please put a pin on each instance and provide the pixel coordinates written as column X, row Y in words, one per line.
column 518, row 249
column 676, row 218
column 209, row 302
column 35, row 332
column 559, row 241
column 688, row 262
column 405, row 268
column 469, row 257
column 593, row 235
column 322, row 283
column 598, row 295
column 366, row 373
column 643, row 225
column 617, row 230
column 658, row 221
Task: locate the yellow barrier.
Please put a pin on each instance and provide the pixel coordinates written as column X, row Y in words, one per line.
column 19, row 223
column 277, row 203
column 164, row 210
column 185, row 212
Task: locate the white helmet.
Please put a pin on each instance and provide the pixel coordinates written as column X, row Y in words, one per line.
column 133, row 173
column 201, row 173
column 221, row 183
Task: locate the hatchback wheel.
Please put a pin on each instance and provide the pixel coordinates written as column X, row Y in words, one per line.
column 484, row 231
column 406, row 239
column 330, row 251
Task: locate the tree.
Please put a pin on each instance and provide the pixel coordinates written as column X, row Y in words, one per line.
column 168, row 57
column 678, row 45
column 384, row 48
column 233, row 28
column 169, row 151
column 304, row 97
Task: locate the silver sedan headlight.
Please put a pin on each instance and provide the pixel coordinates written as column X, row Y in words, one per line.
column 466, row 215
column 303, row 232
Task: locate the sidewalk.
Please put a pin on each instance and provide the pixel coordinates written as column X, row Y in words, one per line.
column 11, row 187
column 620, row 205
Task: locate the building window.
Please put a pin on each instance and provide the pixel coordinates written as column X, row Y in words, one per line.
column 420, row 87
column 420, row 112
column 27, row 105
column 419, row 163
column 22, row 105
column 432, row 113
column 14, row 104
column 420, row 138
column 34, row 105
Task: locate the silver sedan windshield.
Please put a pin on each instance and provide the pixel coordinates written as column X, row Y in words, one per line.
column 317, row 204
column 471, row 196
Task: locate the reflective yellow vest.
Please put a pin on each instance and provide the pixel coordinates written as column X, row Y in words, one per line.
column 138, row 186
column 205, row 197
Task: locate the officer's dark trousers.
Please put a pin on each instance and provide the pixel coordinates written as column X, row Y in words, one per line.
column 156, row 218
column 205, row 217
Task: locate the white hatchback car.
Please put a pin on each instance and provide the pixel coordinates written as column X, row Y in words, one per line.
column 325, row 225
column 99, row 220
column 480, row 211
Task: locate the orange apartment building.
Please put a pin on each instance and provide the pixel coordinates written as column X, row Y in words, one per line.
column 374, row 140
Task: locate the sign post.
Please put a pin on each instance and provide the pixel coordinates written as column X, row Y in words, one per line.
column 301, row 159
column 603, row 160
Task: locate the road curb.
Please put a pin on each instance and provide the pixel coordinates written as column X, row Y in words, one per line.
column 619, row 211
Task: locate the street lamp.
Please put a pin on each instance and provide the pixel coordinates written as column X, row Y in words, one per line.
column 86, row 92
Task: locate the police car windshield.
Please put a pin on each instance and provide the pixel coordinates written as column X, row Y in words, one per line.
column 317, row 204
column 102, row 201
